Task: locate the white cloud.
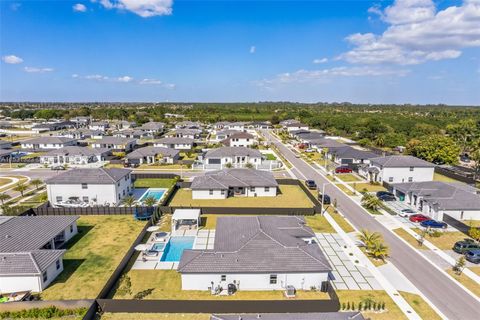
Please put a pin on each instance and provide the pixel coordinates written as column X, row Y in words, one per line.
column 318, row 61
column 12, row 59
column 143, row 8
column 150, row 81
column 417, row 32
column 97, row 77
column 37, row 70
column 124, row 79
column 304, row 76
column 147, row 81
column 253, row 49
column 79, row 7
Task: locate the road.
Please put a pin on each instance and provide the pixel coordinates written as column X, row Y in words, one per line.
column 442, row 291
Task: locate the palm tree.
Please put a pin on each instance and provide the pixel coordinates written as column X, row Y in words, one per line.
column 36, row 183
column 4, row 197
column 129, row 201
column 378, row 251
column 368, row 238
column 380, row 140
column 21, row 187
column 149, row 201
column 371, row 202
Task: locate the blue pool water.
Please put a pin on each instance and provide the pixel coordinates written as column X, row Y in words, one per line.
column 158, row 246
column 156, row 193
column 174, row 248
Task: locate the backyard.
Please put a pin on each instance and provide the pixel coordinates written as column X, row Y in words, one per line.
column 154, row 183
column 166, row 284
column 290, row 196
column 93, row 255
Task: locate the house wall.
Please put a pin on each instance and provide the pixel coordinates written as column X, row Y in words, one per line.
column 403, row 174
column 217, row 194
column 248, row 281
column 241, row 142
column 205, row 194
column 52, row 273
column 69, row 159
column 178, row 146
column 47, row 145
column 225, row 160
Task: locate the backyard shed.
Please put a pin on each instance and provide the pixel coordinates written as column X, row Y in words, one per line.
column 185, row 218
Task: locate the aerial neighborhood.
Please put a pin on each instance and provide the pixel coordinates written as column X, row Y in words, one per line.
column 188, row 209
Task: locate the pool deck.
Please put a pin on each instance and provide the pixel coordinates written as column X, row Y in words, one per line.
column 205, row 239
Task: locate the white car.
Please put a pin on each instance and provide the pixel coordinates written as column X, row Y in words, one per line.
column 309, row 150
column 406, row 213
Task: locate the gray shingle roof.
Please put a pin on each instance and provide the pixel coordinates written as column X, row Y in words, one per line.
column 400, row 161
column 349, row 152
column 153, row 125
column 114, row 140
column 223, row 179
column 92, row 176
column 152, row 151
column 33, row 262
column 448, row 196
column 233, row 152
column 48, row 140
column 258, row 244
column 174, row 140
column 291, row 316
column 326, row 143
column 31, row 233
column 76, row 151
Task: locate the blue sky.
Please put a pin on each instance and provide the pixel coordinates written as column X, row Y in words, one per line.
column 403, row 51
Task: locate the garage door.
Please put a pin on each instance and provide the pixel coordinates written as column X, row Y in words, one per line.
column 347, row 161
column 214, row 161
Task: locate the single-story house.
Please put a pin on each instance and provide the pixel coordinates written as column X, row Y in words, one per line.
column 188, row 125
column 256, row 253
column 74, row 155
column 221, row 125
column 185, row 133
column 153, row 128
column 89, row 186
column 150, row 155
column 114, row 143
column 257, row 125
column 174, row 143
column 45, row 143
column 436, row 198
column 53, row 126
column 233, row 155
column 397, row 169
column 352, row 315
column 99, row 125
column 92, row 134
column 240, row 139
column 5, row 144
column 30, row 251
column 81, row 121
column 131, row 133
column 239, row 126
column 74, row 134
column 225, row 183
column 122, row 125
column 348, row 155
column 296, row 126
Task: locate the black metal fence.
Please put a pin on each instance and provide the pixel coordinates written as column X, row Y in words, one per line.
column 467, row 178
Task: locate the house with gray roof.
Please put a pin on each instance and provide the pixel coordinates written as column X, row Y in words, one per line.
column 99, row 125
column 257, row 253
column 152, row 155
column 348, row 155
column 89, row 187
column 5, row 144
column 240, row 139
column 185, row 133
column 224, row 134
column 226, row 183
column 174, row 143
column 398, row 169
column 31, row 254
column 114, row 143
column 47, row 143
column 291, row 316
column 153, row 128
column 131, row 133
column 74, row 155
column 437, row 198
column 235, row 157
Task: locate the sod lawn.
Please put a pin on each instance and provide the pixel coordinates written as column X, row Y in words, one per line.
column 166, row 284
column 154, row 183
column 440, row 177
column 370, row 187
column 409, row 238
column 344, row 224
column 421, row 307
column 348, row 177
column 345, row 189
column 446, row 240
column 93, row 255
column 155, row 316
column 319, row 224
column 289, row 197
column 392, row 312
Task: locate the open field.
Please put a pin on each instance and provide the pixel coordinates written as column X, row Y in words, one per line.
column 289, row 197
column 92, row 256
column 420, row 306
column 155, row 316
column 166, row 284
column 356, row 296
column 154, row 183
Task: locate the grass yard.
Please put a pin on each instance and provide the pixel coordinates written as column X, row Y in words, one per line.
column 289, row 197
column 356, row 296
column 370, row 187
column 92, row 256
column 446, row 240
column 441, row 177
column 270, row 156
column 348, row 177
column 420, row 306
column 466, row 281
column 4, row 181
column 166, row 284
column 344, row 224
column 155, row 316
column 344, row 189
column 154, row 183
column 318, row 223
column 21, row 179
column 475, row 269
column 409, row 238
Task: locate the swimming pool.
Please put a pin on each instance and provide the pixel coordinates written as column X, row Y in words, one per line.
column 156, row 193
column 174, row 249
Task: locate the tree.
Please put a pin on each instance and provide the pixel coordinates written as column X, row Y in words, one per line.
column 371, row 202
column 438, row 149
column 378, row 250
column 474, row 232
column 36, row 183
column 129, row 201
column 475, row 157
column 4, row 197
column 459, row 265
column 368, row 238
column 21, row 187
column 149, row 201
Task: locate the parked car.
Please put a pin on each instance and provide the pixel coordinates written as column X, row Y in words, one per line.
column 387, row 197
column 311, row 184
column 384, row 193
column 309, row 150
column 325, row 199
column 343, row 170
column 465, row 245
column 473, row 256
column 433, row 224
column 130, row 165
column 58, row 168
column 407, row 212
column 418, row 218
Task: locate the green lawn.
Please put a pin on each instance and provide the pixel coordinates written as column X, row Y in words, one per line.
column 409, row 238
column 348, row 177
column 166, row 284
column 344, row 224
column 21, row 179
column 440, row 177
column 270, row 156
column 155, row 316
column 93, row 255
column 289, row 197
column 446, row 240
column 344, row 189
column 154, row 183
column 4, row 181
column 421, row 307
column 370, row 187
column 318, row 223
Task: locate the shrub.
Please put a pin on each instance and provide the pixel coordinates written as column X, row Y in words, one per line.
column 43, row 313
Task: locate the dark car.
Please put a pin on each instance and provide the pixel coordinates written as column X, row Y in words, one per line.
column 418, row 218
column 465, row 245
column 343, row 170
column 311, row 184
column 130, row 165
column 387, row 197
column 384, row 193
column 433, row 224
column 325, row 199
column 473, row 256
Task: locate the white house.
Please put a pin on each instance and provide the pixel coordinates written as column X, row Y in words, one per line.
column 89, row 186
column 226, row 183
column 153, row 128
column 151, row 155
column 236, row 156
column 30, row 251
column 436, row 198
column 45, row 143
column 74, row 155
column 131, row 133
column 224, row 134
column 240, row 139
column 99, row 125
column 397, row 169
column 239, row 126
column 114, row 143
column 256, row 253
column 174, row 143
column 295, row 126
column 188, row 125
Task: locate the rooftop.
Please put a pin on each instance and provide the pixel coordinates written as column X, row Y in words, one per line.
column 33, row 262
column 91, row 176
column 48, row 140
column 233, row 152
column 174, row 140
column 76, row 151
column 152, row 151
column 400, row 161
column 227, row 178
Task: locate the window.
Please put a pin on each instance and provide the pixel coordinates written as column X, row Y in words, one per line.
column 59, row 198
column 71, row 228
column 223, row 277
column 252, row 189
column 45, row 277
column 273, row 279
column 85, row 199
column 210, row 192
column 84, row 186
column 411, row 168
column 57, row 264
column 410, row 179
column 222, row 192
column 390, row 179
column 267, row 189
